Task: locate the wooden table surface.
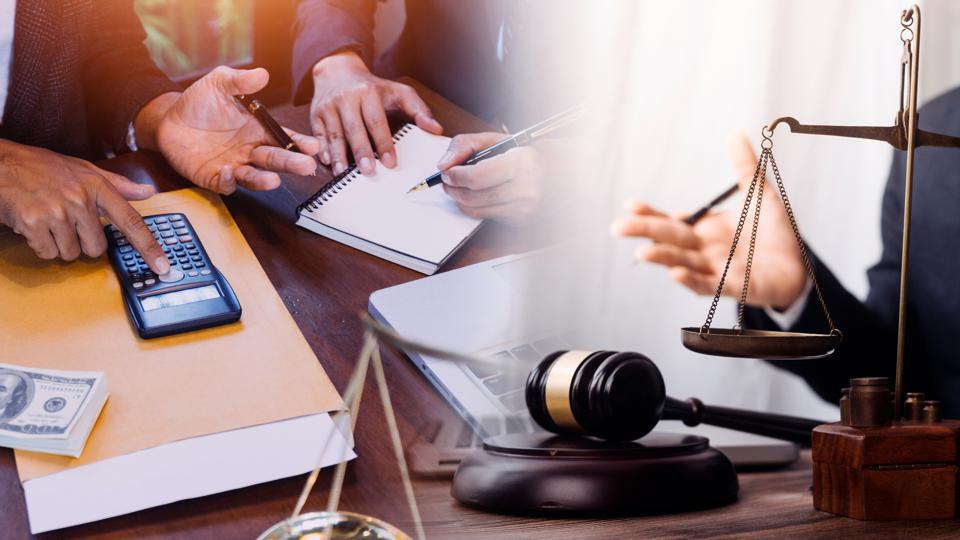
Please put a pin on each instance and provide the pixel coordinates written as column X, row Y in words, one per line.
column 324, row 285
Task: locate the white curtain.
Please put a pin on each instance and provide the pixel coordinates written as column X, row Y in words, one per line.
column 681, row 75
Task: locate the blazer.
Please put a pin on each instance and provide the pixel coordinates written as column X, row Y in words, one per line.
column 460, row 49
column 79, row 73
column 868, row 348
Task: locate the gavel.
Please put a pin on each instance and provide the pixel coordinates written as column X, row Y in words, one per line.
column 620, row 396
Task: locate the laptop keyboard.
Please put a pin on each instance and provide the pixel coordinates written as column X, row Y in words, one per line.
column 508, row 385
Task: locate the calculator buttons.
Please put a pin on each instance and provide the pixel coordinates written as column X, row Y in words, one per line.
column 181, row 231
column 176, row 217
column 169, row 241
column 200, row 264
column 193, row 273
column 122, row 242
column 173, row 276
column 137, row 284
column 128, row 257
column 187, row 266
column 178, row 248
column 185, row 238
column 150, row 281
column 160, row 220
column 205, row 272
column 190, row 246
column 192, row 252
column 126, row 249
column 163, row 227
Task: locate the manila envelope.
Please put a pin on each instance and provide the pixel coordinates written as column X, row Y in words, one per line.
column 71, row 316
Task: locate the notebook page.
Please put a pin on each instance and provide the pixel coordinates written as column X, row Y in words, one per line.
column 426, row 225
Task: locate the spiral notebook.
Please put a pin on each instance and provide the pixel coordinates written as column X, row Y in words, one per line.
column 374, row 213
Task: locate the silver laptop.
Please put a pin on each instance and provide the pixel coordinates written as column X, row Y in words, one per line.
column 508, row 309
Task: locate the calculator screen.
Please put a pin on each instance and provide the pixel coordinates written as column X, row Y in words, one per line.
column 179, row 298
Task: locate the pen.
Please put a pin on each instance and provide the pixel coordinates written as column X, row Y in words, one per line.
column 259, row 111
column 698, row 215
column 520, row 138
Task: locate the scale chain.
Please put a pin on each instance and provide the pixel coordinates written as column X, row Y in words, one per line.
column 753, row 240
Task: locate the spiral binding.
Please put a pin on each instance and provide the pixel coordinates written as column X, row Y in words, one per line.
column 340, row 181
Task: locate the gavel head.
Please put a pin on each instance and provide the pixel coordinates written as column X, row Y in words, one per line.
column 610, row 395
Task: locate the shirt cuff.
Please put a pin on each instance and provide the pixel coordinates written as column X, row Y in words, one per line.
column 787, row 318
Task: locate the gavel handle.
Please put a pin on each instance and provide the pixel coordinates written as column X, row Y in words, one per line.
column 789, row 428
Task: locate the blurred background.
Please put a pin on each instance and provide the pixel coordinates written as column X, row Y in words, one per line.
column 677, row 77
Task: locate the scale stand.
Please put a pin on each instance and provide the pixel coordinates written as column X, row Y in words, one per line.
column 877, row 463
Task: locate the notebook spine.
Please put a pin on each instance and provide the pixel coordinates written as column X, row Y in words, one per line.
column 340, row 181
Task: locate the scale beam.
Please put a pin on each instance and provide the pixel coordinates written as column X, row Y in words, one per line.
column 895, row 135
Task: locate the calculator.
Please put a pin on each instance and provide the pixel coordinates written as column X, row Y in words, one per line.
column 194, row 294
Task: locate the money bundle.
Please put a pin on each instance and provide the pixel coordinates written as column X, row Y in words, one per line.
column 46, row 410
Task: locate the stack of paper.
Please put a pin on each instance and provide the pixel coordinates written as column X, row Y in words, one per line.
column 46, row 410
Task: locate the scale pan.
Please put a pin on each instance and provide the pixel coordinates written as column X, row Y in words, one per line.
column 763, row 344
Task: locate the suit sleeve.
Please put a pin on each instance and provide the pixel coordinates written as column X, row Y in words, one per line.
column 323, row 27
column 119, row 77
column 869, row 328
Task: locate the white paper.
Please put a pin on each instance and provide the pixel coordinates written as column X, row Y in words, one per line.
column 376, row 208
column 184, row 469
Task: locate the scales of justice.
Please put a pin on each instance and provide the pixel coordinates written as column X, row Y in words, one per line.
column 886, row 459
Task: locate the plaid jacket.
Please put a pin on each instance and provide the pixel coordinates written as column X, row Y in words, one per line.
column 79, row 73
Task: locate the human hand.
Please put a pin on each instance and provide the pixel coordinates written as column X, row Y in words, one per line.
column 349, row 106
column 209, row 138
column 55, row 201
column 696, row 254
column 507, row 187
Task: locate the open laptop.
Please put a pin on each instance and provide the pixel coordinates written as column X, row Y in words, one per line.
column 508, row 309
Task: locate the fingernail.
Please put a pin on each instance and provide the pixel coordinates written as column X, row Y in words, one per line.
column 388, row 160
column 338, row 168
column 366, row 165
column 325, row 158
column 162, row 264
column 446, row 157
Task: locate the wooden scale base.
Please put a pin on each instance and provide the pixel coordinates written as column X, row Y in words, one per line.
column 900, row 471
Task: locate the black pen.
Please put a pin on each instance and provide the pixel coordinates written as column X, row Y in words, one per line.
column 259, row 111
column 698, row 215
column 520, row 138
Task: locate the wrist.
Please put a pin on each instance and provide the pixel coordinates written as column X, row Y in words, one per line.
column 344, row 60
column 148, row 119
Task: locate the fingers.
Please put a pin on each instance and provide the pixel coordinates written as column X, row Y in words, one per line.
column 406, row 99
column 742, row 157
column 463, row 146
column 88, row 229
column 469, row 198
column 127, row 189
column 700, row 283
column 310, row 146
column 277, row 159
column 673, row 256
column 641, row 208
column 376, row 121
column 320, row 132
column 485, row 174
column 131, row 224
column 240, row 81
column 255, row 179
column 65, row 235
column 355, row 132
column 658, row 229
column 336, row 140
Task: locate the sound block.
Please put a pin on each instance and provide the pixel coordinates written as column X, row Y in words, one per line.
column 545, row 474
column 902, row 471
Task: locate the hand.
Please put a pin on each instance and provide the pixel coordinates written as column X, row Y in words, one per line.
column 209, row 138
column 507, row 187
column 351, row 103
column 697, row 254
column 55, row 201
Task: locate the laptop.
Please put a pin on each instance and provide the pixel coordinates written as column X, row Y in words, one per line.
column 507, row 309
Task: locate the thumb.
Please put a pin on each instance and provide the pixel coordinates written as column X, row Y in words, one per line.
column 240, row 81
column 742, row 157
column 129, row 189
column 463, row 146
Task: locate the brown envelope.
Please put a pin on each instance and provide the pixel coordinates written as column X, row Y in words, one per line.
column 71, row 316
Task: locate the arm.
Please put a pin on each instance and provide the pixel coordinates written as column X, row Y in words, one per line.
column 119, row 77
column 323, row 27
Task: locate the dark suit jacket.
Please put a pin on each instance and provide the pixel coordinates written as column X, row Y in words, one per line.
column 451, row 47
column 78, row 75
column 932, row 362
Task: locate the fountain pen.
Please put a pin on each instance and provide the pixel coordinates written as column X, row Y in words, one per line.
column 520, row 138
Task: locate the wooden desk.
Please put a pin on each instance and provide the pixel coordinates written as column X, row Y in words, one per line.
column 324, row 285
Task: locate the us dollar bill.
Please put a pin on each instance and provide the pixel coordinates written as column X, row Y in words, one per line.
column 42, row 403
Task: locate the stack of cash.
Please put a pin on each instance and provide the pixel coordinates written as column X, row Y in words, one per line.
column 46, row 410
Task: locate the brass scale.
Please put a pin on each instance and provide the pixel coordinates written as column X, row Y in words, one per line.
column 730, row 342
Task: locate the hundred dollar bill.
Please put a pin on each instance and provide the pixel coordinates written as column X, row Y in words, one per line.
column 42, row 403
